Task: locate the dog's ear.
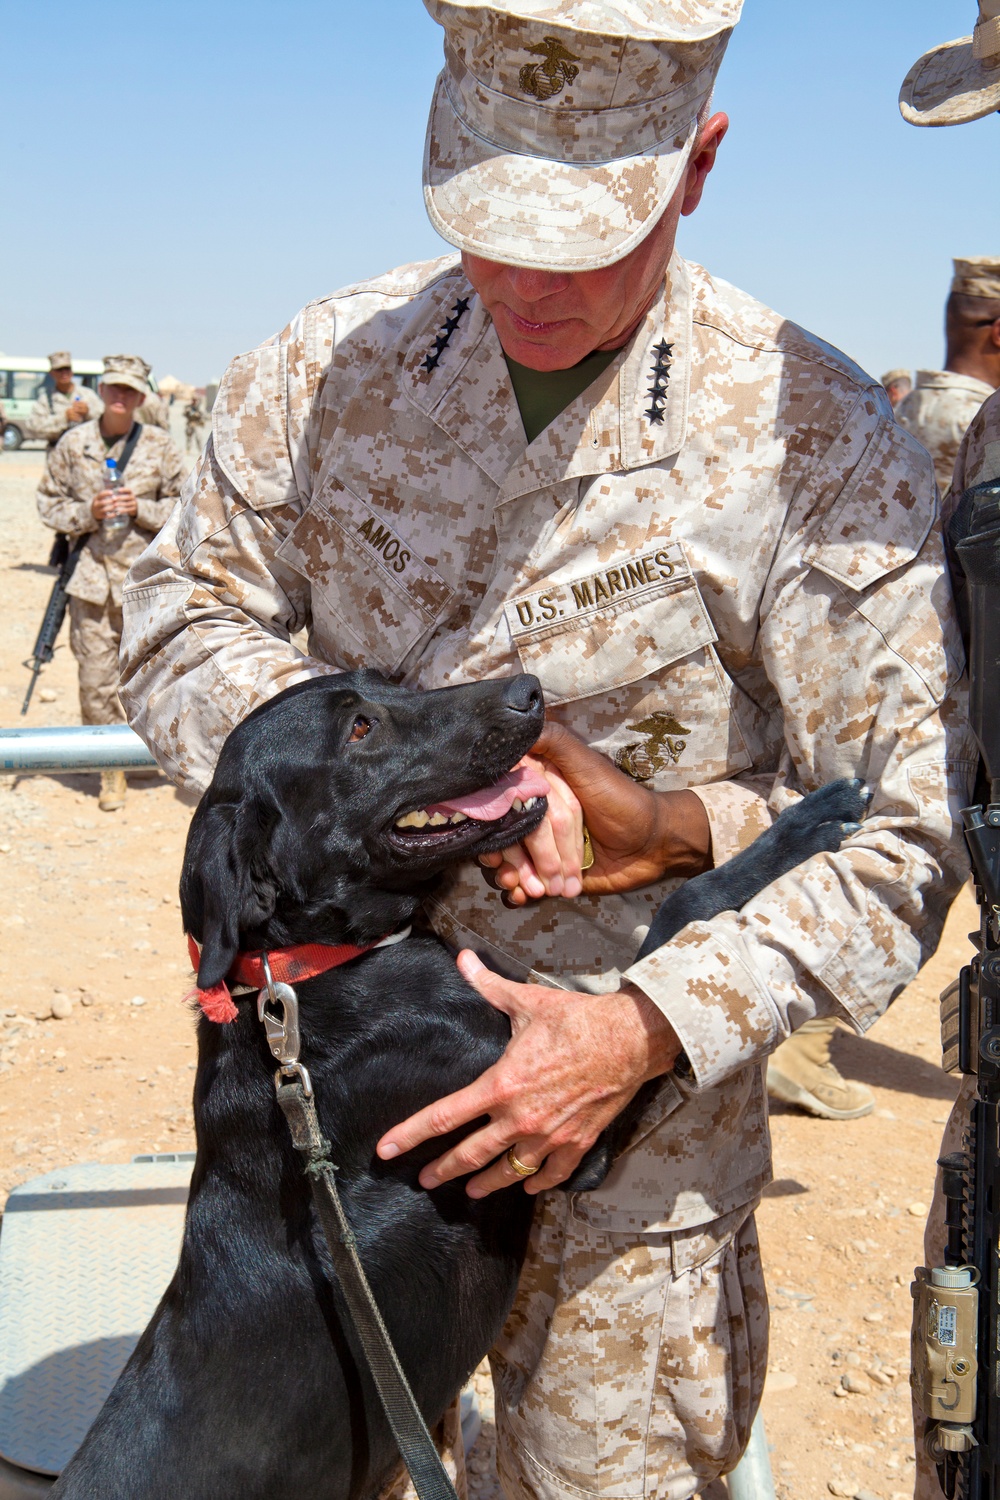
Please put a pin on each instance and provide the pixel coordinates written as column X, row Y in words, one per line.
column 227, row 887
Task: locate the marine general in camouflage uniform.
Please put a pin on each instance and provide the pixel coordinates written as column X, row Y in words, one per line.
column 938, row 411
column 951, row 85
column 708, row 537
column 64, row 406
column 73, row 498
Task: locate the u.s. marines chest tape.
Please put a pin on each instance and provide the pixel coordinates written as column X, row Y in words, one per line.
column 593, row 628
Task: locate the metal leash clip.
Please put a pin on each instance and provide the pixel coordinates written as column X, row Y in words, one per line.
column 282, row 1029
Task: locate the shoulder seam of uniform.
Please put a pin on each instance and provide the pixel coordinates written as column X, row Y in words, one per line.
column 386, row 287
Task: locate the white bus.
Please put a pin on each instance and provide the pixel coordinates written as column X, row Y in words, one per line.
column 22, row 381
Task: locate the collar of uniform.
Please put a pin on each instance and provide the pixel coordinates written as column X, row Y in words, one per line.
column 950, row 380
column 93, row 443
column 468, row 393
column 616, row 431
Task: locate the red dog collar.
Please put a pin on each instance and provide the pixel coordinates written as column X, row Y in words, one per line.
column 288, row 966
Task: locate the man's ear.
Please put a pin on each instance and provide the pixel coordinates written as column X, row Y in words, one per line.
column 226, row 884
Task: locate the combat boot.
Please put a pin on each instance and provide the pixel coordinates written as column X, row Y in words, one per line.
column 113, row 789
column 800, row 1073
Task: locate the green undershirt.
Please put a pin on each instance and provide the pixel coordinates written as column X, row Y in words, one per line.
column 542, row 394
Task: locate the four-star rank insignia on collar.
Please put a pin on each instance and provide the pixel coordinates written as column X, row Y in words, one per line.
column 430, row 361
column 661, row 375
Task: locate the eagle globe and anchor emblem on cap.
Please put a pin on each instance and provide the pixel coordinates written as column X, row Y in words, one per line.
column 543, row 80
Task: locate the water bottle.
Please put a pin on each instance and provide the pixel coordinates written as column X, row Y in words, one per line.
column 113, row 526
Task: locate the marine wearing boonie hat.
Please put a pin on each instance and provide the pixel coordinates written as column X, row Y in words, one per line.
column 559, row 132
column 127, row 369
column 61, row 360
column 959, row 81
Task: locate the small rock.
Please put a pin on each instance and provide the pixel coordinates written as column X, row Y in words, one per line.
column 781, row 1380
column 838, row 1390
column 884, row 1114
column 855, row 1383
column 879, row 1377
column 137, row 1000
column 873, row 1317
column 866, row 1495
column 861, row 1246
column 86, row 998
column 47, row 696
column 4, row 848
column 845, row 1487
column 853, row 1359
column 62, row 1006
column 166, row 900
column 917, row 1210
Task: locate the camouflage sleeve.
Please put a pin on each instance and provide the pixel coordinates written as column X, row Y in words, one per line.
column 56, row 504
column 737, row 811
column 152, row 513
column 870, row 681
column 978, row 457
column 208, row 613
column 43, row 421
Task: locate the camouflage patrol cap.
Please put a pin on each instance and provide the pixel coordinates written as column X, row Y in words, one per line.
column 958, row 81
column 892, row 376
column 126, row 369
column 977, row 277
column 61, row 360
column 560, row 129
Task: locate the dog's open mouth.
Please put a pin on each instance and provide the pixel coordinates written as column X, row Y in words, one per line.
column 509, row 809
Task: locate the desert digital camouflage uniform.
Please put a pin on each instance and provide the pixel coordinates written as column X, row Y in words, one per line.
column 47, row 418
column 74, row 474
column 154, row 412
column 723, row 562
column 938, row 411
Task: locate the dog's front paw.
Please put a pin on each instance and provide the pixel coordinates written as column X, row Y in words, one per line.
column 823, row 819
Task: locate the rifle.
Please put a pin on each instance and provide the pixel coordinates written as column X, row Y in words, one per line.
column 64, row 557
column 956, row 1319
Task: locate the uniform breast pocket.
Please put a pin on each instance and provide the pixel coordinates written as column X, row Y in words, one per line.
column 629, row 650
column 373, row 598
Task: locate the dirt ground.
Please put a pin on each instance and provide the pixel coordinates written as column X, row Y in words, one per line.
column 91, row 913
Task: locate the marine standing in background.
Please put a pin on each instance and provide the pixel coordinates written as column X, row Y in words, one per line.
column 945, row 401
column 57, row 410
column 897, row 384
column 155, row 412
column 951, row 85
column 74, row 498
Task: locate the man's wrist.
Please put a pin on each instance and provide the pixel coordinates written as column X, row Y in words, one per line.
column 683, row 833
column 662, row 1044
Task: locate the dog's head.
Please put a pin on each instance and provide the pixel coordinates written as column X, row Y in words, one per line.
column 335, row 804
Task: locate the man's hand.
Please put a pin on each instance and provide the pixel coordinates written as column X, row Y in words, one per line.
column 638, row 835
column 573, row 1063
column 113, row 503
column 77, row 411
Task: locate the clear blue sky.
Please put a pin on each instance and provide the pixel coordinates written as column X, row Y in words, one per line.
column 179, row 179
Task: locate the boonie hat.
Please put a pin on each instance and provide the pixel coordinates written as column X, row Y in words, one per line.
column 127, row 369
column 891, row 376
column 977, row 277
column 560, row 129
column 61, row 360
column 959, row 81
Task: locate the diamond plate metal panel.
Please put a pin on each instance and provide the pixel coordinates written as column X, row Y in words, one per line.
column 85, row 1254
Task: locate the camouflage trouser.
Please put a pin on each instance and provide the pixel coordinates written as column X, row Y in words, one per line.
column 632, row 1364
column 95, row 632
column 926, row 1486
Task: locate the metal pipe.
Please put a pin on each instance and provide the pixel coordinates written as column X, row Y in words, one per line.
column 752, row 1478
column 76, row 747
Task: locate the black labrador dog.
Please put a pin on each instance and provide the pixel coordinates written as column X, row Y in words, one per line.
column 333, row 809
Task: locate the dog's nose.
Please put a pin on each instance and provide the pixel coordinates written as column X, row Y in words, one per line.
column 523, row 694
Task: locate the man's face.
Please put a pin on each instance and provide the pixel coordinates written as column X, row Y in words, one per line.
column 897, row 389
column 550, row 320
column 121, row 399
column 63, row 380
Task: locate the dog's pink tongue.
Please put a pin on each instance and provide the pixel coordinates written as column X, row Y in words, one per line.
column 493, row 802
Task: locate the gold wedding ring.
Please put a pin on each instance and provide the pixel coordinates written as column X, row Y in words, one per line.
column 588, row 849
column 518, row 1166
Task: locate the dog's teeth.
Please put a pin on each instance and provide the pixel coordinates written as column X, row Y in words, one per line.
column 517, row 805
column 459, row 817
column 412, row 820
column 436, row 820
column 530, row 803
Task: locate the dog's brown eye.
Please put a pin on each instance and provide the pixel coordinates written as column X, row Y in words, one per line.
column 360, row 728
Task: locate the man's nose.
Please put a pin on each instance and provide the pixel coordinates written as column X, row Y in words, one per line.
column 530, row 285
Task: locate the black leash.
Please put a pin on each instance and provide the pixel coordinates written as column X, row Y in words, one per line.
column 277, row 1007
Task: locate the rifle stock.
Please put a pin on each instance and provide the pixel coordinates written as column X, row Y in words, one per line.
column 956, row 1327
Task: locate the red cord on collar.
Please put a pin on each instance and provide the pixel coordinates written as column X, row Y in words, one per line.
column 288, row 966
